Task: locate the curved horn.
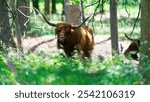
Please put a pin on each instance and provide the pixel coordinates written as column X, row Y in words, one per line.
column 81, row 23
column 130, row 38
column 137, row 40
column 51, row 24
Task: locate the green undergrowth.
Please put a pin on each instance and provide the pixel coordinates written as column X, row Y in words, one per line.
column 42, row 69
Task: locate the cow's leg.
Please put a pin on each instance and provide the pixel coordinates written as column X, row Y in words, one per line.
column 87, row 53
column 68, row 51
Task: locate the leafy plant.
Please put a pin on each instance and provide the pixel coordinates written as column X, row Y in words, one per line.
column 57, row 69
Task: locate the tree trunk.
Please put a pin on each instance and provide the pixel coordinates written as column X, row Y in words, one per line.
column 145, row 25
column 18, row 34
column 35, row 4
column 12, row 4
column 82, row 8
column 5, row 28
column 102, row 7
column 114, row 26
column 72, row 13
column 53, row 6
column 22, row 19
column 63, row 10
column 46, row 7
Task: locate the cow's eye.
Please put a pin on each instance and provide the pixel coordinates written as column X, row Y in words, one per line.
column 59, row 31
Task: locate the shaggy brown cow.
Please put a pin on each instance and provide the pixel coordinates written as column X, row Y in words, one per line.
column 133, row 49
column 70, row 38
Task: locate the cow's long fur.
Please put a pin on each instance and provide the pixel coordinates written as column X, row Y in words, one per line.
column 133, row 48
column 80, row 39
column 132, row 51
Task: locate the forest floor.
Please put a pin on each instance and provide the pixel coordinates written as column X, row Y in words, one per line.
column 47, row 44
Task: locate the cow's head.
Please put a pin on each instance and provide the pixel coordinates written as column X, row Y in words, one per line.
column 62, row 31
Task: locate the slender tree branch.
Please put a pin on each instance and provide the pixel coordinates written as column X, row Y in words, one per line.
column 136, row 20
